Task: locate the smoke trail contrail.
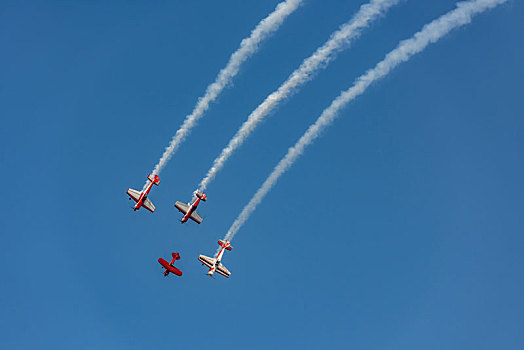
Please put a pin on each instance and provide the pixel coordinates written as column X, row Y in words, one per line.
column 248, row 47
column 338, row 41
column 430, row 33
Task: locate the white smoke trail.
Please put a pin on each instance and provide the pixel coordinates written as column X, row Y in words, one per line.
column 430, row 33
column 338, row 41
column 248, row 47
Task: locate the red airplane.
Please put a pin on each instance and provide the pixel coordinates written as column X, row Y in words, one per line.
column 140, row 197
column 189, row 210
column 170, row 266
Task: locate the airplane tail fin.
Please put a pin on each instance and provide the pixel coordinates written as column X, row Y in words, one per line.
column 154, row 179
column 200, row 195
column 175, row 256
column 225, row 244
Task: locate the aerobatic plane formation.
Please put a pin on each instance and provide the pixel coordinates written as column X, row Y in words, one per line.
column 340, row 39
column 189, row 210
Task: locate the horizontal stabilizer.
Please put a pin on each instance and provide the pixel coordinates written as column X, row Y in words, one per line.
column 225, row 244
column 154, row 179
column 200, row 195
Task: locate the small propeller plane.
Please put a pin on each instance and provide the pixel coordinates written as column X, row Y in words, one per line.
column 189, row 209
column 170, row 267
column 140, row 197
column 214, row 264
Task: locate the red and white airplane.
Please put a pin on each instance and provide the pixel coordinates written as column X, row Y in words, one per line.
column 189, row 209
column 140, row 197
column 170, row 267
column 214, row 264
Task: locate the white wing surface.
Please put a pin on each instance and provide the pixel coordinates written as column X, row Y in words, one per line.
column 196, row 218
column 182, row 207
column 221, row 269
column 206, row 260
column 148, row 205
column 134, row 194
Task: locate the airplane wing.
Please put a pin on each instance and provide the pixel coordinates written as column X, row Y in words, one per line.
column 206, row 260
column 182, row 207
column 221, row 269
column 148, row 205
column 134, row 194
column 169, row 268
column 195, row 217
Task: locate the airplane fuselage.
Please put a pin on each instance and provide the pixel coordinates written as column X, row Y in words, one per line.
column 172, row 264
column 217, row 262
column 192, row 208
column 143, row 196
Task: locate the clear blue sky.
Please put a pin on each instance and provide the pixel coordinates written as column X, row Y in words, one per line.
column 401, row 228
